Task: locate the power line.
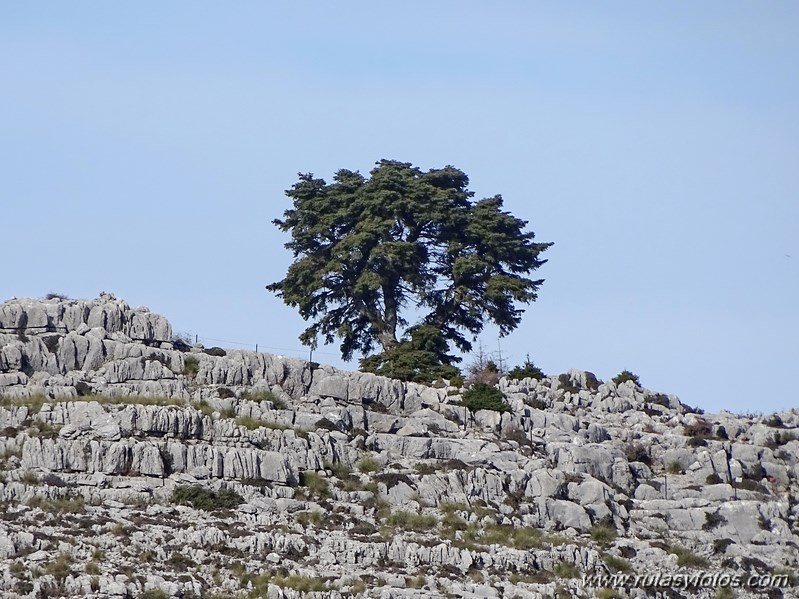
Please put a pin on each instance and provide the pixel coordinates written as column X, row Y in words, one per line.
column 242, row 343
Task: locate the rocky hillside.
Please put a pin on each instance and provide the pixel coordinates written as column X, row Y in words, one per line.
column 133, row 466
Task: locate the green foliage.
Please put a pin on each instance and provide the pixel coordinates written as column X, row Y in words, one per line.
column 365, row 248
column 528, row 370
column 566, row 570
column 264, row 395
column 368, row 464
column 44, row 430
column 134, row 399
column 33, row 402
column 484, row 397
column 315, row 484
column 616, row 564
column 567, row 385
column 603, row 534
column 686, row 557
column 713, row 479
column 411, row 521
column 206, row 499
column 422, row 359
column 61, row 567
column 712, row 520
column 626, row 375
column 674, row 467
column 70, row 504
column 191, row 366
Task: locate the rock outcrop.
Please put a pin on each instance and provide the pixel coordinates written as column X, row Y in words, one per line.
column 132, row 466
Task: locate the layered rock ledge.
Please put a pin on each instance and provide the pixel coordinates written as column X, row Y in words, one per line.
column 132, row 465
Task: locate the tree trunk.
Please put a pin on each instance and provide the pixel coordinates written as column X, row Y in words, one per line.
column 388, row 335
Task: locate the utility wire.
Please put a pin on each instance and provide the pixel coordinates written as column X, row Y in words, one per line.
column 242, row 343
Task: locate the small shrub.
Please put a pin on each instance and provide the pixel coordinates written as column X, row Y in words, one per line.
column 206, row 499
column 674, row 467
column 660, row 399
column 526, row 370
column 69, row 504
column 484, row 397
column 725, row 593
column 603, row 534
column 154, row 594
column 457, row 381
column 713, row 479
column 687, row 558
column 191, row 366
column 636, row 452
column 92, row 568
column 29, row 478
column 626, row 375
column 567, row 385
column 264, row 395
column 774, row 421
column 713, row 520
column 83, row 389
column 61, row 567
column 591, row 381
column 607, row 593
column 566, row 570
column 315, row 484
column 368, row 464
column 411, row 521
column 617, row 564
column 251, row 423
column 225, row 393
column 204, row 407
column 699, row 429
column 721, row 433
column 43, row 430
column 55, row 296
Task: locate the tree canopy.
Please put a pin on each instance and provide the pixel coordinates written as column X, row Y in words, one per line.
column 371, row 252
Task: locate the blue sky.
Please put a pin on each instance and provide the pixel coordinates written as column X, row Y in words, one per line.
column 144, row 150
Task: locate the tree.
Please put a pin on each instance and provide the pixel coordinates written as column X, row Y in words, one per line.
column 367, row 249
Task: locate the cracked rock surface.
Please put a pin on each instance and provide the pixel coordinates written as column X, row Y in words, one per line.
column 132, row 466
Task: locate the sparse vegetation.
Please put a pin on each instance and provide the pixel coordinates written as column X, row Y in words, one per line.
column 687, row 558
column 526, row 370
column 264, row 395
column 481, row 396
column 713, row 520
column 43, row 430
column 205, row 499
column 368, row 464
column 674, row 467
column 626, row 375
column 69, row 504
column 315, row 484
column 566, row 570
column 603, row 534
column 410, row 521
column 616, row 564
column 191, row 366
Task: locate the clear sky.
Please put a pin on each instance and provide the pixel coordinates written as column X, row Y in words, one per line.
column 145, row 147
